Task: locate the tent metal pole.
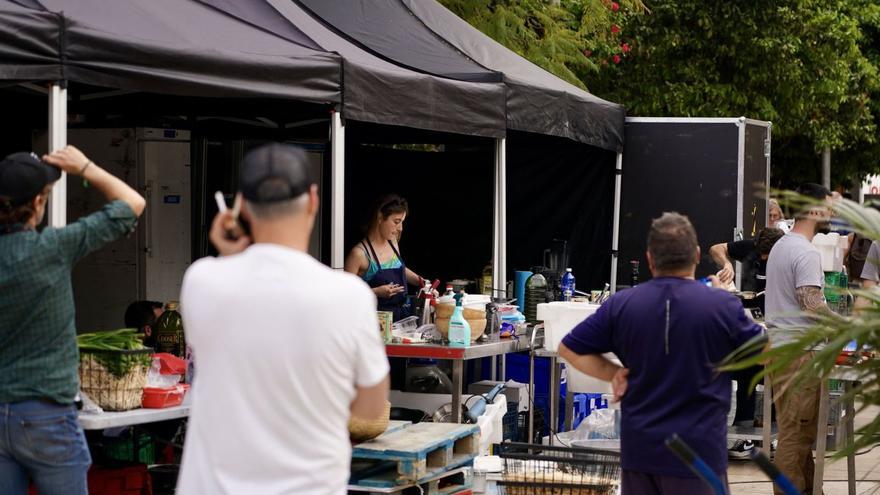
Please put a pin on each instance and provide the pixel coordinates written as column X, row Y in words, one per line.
column 499, row 255
column 337, row 191
column 499, row 239
column 57, row 140
column 615, row 234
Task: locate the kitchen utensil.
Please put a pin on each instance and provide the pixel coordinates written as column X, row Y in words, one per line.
column 556, row 256
column 444, row 413
column 459, row 285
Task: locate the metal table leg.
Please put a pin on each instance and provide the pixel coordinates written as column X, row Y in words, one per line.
column 554, row 396
column 457, row 379
column 493, row 375
column 767, row 426
column 821, row 438
column 504, row 367
column 850, row 439
column 569, row 407
column 531, row 396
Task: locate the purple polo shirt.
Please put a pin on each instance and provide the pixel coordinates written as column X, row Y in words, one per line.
column 672, row 386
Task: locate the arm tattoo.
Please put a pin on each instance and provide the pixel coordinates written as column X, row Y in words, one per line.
column 811, row 299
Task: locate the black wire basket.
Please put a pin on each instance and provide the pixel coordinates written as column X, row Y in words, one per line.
column 550, row 470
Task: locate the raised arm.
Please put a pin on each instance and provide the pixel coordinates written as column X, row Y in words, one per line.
column 74, row 162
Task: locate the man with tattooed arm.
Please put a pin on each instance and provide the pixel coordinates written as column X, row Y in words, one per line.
column 795, row 283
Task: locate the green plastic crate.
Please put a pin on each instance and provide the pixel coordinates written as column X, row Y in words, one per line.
column 123, row 449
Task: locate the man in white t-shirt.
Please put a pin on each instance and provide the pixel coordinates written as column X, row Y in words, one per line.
column 287, row 349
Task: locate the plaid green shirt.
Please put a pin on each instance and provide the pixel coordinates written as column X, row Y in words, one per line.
column 38, row 353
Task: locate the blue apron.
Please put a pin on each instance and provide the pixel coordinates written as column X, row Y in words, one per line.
column 385, row 276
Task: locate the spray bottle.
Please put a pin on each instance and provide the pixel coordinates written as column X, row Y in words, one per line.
column 459, row 328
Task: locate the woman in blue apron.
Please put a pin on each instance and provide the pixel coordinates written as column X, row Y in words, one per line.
column 376, row 259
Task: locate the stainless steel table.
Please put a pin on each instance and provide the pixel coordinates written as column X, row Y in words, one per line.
column 849, row 377
column 129, row 418
column 458, row 355
column 555, row 378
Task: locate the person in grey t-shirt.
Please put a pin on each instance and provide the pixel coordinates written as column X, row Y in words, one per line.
column 793, row 267
column 795, row 284
column 871, row 272
column 870, row 275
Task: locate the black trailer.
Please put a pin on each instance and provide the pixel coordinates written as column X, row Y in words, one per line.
column 714, row 170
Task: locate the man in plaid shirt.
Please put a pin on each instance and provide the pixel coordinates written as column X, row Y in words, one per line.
column 40, row 438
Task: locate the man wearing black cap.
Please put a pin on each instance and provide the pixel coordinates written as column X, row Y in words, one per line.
column 287, row 349
column 39, row 435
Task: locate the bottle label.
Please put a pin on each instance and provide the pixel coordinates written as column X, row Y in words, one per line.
column 167, row 342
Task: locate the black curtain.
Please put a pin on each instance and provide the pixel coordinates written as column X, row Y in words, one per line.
column 448, row 231
column 560, row 189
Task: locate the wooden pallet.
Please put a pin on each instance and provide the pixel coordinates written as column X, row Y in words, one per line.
column 455, row 482
column 414, row 453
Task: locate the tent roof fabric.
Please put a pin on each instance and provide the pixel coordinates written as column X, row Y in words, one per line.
column 406, row 63
column 374, row 26
column 379, row 91
column 537, row 101
column 152, row 46
column 29, row 44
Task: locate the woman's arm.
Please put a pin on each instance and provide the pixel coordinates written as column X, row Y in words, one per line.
column 356, row 262
column 414, row 279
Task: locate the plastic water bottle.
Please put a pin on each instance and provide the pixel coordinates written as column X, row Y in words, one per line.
column 568, row 285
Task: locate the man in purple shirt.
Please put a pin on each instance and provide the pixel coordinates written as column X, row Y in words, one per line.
column 669, row 333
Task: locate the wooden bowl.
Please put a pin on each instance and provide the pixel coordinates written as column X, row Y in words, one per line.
column 445, row 311
column 361, row 430
column 478, row 326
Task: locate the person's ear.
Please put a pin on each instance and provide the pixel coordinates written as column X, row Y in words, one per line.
column 650, row 261
column 245, row 213
column 314, row 200
column 699, row 255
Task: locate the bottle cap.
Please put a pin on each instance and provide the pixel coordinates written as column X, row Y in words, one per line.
column 172, row 306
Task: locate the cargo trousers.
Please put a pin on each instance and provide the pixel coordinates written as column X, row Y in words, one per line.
column 797, row 413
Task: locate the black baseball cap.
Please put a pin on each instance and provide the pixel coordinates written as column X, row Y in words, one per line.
column 23, row 175
column 275, row 172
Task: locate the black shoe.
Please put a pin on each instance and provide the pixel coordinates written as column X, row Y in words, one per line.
column 741, row 449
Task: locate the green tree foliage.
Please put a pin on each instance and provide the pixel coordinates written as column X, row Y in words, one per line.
column 809, row 66
column 798, row 63
column 572, row 39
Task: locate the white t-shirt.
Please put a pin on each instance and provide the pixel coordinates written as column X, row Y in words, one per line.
column 280, row 342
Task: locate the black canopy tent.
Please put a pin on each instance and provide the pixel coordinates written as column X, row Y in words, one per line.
column 151, row 46
column 277, row 49
column 562, row 127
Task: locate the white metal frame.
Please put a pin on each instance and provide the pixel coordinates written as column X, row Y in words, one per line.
column 337, row 191
column 57, row 140
column 740, row 189
column 615, row 229
column 499, row 236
